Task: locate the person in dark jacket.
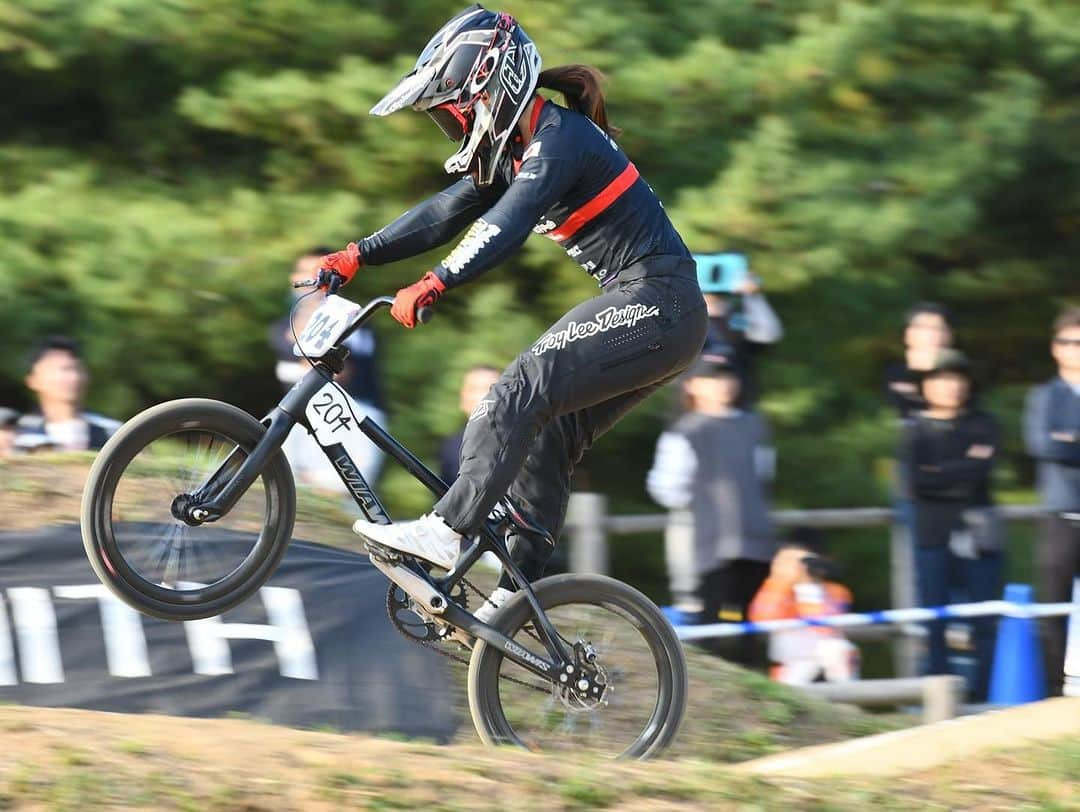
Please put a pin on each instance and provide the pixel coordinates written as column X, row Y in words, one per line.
column 8, row 418
column 359, row 378
column 927, row 331
column 1052, row 437
column 947, row 457
column 475, row 385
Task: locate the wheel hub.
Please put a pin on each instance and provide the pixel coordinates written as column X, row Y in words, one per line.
column 183, row 509
column 584, row 686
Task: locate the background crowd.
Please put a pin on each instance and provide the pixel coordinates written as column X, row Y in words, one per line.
column 163, row 163
column 714, row 465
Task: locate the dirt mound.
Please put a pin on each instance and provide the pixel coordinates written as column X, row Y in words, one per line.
column 920, row 748
column 66, row 759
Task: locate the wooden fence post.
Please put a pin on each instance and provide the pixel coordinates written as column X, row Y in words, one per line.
column 904, row 595
column 586, row 524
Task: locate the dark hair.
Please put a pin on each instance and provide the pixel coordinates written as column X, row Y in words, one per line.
column 932, row 308
column 318, row 251
column 1069, row 317
column 53, row 344
column 804, row 537
column 580, row 84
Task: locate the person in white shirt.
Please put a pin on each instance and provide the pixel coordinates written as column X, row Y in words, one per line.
column 359, row 379
column 712, row 470
column 58, row 379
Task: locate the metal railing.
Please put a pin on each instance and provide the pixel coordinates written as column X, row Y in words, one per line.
column 589, row 525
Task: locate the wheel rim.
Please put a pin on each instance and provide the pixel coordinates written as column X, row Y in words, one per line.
column 551, row 718
column 163, row 557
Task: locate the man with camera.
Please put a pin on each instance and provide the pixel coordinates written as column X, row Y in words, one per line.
column 741, row 322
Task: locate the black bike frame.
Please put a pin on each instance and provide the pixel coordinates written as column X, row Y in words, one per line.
column 292, row 410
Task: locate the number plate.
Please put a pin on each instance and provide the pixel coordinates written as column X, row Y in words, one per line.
column 325, row 327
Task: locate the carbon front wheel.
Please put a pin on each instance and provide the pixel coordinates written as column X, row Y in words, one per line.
column 136, row 520
column 630, row 645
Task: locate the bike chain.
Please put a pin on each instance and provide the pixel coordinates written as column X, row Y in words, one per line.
column 435, row 645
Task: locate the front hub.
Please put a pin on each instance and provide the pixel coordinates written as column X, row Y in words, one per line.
column 183, row 509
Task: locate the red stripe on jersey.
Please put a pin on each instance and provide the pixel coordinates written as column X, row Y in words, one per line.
column 572, row 224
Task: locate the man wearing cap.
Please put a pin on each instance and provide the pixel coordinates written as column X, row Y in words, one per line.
column 711, row 470
column 947, row 455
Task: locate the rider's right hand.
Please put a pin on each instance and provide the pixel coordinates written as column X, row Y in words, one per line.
column 346, row 262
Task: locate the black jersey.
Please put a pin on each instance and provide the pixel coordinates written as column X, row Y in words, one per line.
column 571, row 183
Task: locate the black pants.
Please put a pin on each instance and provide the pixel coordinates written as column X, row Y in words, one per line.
column 1057, row 562
column 727, row 592
column 588, row 370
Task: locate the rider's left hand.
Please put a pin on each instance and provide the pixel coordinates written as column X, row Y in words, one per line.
column 419, row 294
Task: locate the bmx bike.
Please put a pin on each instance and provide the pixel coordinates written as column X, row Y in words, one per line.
column 189, row 508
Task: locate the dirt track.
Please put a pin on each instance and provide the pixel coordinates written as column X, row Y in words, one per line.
column 68, row 759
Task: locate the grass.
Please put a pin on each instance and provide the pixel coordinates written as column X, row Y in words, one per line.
column 1034, row 778
column 183, row 764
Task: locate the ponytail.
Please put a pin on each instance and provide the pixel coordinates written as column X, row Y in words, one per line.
column 580, row 84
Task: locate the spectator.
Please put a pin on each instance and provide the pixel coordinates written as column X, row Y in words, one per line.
column 359, row 379
column 711, row 470
column 928, row 330
column 1052, row 436
column 475, row 384
column 741, row 322
column 798, row 586
column 947, row 456
column 59, row 380
column 8, row 418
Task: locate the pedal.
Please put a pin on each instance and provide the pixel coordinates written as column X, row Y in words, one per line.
column 385, row 554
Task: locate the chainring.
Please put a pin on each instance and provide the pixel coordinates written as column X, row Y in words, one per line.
column 414, row 623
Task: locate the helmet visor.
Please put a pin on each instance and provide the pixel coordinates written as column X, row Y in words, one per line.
column 405, row 93
column 454, row 124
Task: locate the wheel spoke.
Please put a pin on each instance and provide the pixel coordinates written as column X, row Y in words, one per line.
column 163, row 551
column 561, row 719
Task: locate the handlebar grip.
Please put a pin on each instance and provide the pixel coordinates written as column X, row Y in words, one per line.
column 424, row 315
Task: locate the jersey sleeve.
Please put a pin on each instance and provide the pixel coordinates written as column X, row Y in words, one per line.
column 541, row 182
column 430, row 224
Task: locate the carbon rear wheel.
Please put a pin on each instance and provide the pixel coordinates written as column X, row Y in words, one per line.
column 135, row 517
column 635, row 653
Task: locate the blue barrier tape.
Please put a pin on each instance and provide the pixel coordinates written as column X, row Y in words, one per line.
column 878, row 618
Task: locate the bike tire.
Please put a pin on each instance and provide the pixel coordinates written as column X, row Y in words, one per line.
column 157, row 422
column 485, row 703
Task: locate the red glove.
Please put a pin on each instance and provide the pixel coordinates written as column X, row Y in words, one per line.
column 419, row 294
column 346, row 262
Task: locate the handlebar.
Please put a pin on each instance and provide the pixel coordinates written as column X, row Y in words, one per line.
column 423, row 314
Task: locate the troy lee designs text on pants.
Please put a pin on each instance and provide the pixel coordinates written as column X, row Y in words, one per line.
column 603, row 321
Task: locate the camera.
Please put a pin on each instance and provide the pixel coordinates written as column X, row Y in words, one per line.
column 818, row 568
column 722, row 273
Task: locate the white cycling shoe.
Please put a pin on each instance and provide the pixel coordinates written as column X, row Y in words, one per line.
column 429, row 538
column 492, row 604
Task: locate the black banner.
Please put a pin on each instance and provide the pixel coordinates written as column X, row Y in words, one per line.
column 313, row 648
